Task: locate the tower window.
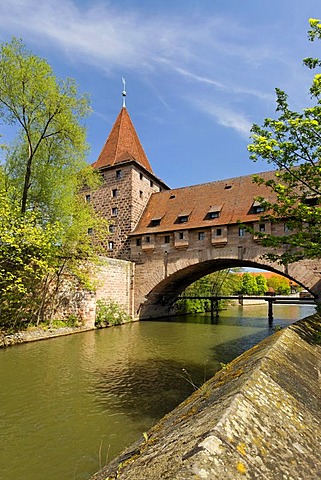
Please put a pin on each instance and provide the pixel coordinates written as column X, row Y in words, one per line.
column 141, row 176
column 114, row 192
column 110, row 245
column 111, row 228
column 90, row 231
column 114, row 212
column 88, row 198
column 140, row 194
column 151, row 183
column 119, row 174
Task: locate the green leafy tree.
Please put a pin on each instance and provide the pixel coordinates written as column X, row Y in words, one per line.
column 279, row 284
column 249, row 285
column 261, row 283
column 50, row 146
column 291, row 143
column 43, row 219
column 222, row 282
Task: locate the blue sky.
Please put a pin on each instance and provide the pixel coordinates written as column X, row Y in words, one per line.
column 198, row 72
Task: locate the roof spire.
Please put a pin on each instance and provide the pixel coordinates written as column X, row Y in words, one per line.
column 124, row 92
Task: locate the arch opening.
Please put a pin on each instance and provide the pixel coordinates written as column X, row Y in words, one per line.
column 162, row 296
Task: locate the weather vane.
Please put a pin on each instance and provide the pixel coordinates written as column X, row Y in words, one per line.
column 124, row 92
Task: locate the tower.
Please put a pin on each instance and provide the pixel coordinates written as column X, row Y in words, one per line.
column 128, row 182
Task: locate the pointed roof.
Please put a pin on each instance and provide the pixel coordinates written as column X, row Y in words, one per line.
column 122, row 145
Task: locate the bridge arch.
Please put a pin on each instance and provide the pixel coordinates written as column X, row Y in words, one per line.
column 165, row 282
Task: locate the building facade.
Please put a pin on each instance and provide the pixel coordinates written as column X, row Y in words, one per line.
column 128, row 181
column 146, row 216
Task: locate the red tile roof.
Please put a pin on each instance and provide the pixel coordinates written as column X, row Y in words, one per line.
column 122, row 144
column 234, row 197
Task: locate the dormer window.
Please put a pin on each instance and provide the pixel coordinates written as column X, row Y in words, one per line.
column 183, row 217
column 155, row 221
column 214, row 212
column 311, row 201
column 257, row 207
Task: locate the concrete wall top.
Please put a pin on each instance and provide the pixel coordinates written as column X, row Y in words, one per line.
column 260, row 417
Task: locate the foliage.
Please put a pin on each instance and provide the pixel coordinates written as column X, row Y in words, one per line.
column 262, row 284
column 249, row 285
column 291, row 143
column 50, row 143
column 279, row 284
column 223, row 282
column 110, row 313
column 43, row 219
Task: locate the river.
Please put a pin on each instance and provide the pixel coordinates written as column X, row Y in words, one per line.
column 70, row 404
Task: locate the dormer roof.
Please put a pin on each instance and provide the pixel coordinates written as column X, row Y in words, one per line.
column 122, row 145
column 233, row 205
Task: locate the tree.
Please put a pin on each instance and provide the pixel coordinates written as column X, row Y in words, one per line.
column 43, row 219
column 249, row 285
column 279, row 284
column 50, row 146
column 223, row 282
column 262, row 285
column 291, row 143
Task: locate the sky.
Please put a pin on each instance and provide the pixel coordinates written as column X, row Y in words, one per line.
column 198, row 73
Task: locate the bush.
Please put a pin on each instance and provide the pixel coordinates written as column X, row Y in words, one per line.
column 110, row 313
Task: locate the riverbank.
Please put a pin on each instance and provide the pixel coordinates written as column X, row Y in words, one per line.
column 259, row 417
column 37, row 333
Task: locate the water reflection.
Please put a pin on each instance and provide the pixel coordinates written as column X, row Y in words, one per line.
column 143, row 389
column 70, row 403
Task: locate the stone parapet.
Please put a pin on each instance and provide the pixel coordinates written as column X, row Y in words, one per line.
column 259, row 417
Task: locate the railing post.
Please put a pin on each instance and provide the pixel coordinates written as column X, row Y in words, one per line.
column 270, row 312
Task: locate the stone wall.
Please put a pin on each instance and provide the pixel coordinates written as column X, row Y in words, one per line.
column 115, row 281
column 121, row 199
column 259, row 418
column 162, row 273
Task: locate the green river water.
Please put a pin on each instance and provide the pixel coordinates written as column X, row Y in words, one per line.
column 69, row 404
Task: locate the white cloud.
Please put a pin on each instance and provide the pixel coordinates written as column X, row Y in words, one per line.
column 214, row 51
column 227, row 117
column 108, row 36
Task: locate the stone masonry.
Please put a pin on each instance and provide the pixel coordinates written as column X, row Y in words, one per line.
column 258, row 418
column 175, row 236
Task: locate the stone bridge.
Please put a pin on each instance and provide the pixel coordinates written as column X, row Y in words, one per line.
column 163, row 275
